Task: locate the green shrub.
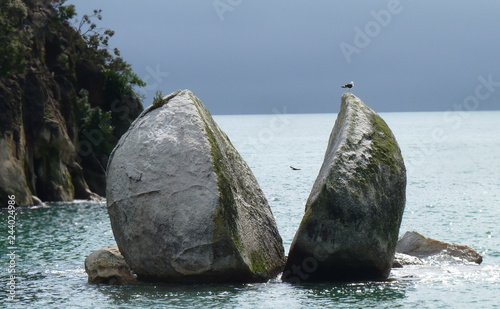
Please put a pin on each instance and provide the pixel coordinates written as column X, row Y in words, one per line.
column 95, row 125
column 14, row 40
column 64, row 12
column 158, row 100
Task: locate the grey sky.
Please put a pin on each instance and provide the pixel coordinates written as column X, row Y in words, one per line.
column 249, row 57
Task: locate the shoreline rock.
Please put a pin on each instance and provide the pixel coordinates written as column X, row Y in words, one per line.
column 184, row 206
column 352, row 218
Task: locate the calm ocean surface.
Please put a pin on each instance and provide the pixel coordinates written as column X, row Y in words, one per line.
column 453, row 194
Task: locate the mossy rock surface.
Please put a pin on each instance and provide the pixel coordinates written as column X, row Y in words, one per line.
column 351, row 223
column 184, row 206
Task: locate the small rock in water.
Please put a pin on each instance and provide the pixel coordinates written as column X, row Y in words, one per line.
column 433, row 251
column 401, row 259
column 107, row 265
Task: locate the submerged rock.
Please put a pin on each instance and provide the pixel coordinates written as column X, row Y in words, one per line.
column 401, row 259
column 184, row 206
column 432, row 251
column 352, row 218
column 107, row 265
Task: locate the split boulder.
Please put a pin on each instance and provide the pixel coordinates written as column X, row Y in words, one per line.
column 184, row 206
column 351, row 223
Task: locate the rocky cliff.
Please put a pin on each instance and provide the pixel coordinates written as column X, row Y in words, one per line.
column 64, row 104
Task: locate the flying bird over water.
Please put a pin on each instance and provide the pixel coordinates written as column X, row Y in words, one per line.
column 350, row 85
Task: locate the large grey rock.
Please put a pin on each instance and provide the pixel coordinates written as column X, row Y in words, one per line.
column 107, row 265
column 433, row 251
column 184, row 206
column 352, row 218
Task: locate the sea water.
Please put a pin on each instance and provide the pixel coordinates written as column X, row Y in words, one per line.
column 453, row 194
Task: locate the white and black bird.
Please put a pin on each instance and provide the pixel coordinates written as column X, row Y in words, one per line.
column 350, row 85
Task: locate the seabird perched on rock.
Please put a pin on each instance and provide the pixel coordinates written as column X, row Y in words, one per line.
column 350, row 85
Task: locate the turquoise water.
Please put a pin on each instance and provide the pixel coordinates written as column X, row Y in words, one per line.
column 453, row 194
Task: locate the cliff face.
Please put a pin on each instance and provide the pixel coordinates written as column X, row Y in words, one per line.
column 61, row 115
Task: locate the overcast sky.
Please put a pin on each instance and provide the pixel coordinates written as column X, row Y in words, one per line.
column 253, row 57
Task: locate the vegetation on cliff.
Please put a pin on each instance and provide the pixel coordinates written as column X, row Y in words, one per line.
column 66, row 98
